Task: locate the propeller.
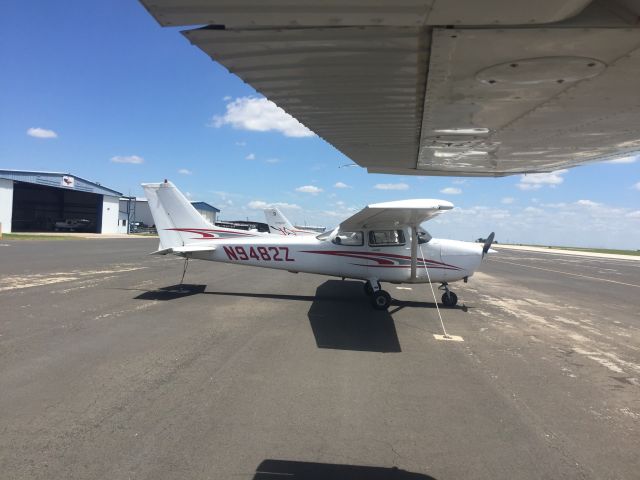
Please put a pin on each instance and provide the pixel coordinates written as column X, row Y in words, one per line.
column 487, row 243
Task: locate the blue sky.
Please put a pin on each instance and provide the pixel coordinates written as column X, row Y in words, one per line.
column 98, row 89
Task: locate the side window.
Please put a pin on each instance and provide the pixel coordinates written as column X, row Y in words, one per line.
column 386, row 238
column 350, row 239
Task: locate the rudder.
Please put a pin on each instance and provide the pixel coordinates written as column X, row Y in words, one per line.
column 175, row 218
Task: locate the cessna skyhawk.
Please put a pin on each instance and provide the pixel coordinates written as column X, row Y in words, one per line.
column 381, row 243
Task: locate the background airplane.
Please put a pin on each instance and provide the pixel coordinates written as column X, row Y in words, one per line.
column 381, row 243
column 280, row 225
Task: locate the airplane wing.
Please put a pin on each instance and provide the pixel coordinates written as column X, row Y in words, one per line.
column 395, row 214
column 427, row 87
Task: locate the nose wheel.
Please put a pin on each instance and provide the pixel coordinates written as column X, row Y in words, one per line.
column 449, row 299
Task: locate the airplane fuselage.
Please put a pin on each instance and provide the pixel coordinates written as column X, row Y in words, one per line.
column 446, row 260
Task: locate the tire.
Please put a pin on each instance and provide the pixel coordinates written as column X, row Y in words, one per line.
column 381, row 300
column 449, row 299
column 368, row 289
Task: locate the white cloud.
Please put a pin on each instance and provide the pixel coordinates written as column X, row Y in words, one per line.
column 535, row 181
column 568, row 224
column 185, row 171
column 507, row 200
column 341, row 185
column 241, row 144
column 623, row 160
column 260, row 115
column 533, row 210
column 451, row 191
column 309, row 189
column 251, row 156
column 391, row 186
column 226, row 98
column 257, row 204
column 341, row 212
column 273, row 160
column 41, row 133
column 459, row 181
column 261, row 205
column 227, row 196
column 135, row 159
column 587, row 203
column 636, row 186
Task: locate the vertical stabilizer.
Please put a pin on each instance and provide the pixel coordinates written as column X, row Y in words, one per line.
column 175, row 218
column 278, row 223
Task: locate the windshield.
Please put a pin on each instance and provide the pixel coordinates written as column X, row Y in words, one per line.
column 423, row 236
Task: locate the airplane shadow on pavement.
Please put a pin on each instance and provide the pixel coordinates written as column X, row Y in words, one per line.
column 291, row 470
column 342, row 319
column 172, row 292
column 340, row 315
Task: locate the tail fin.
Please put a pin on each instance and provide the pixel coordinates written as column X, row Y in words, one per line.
column 175, row 218
column 278, row 223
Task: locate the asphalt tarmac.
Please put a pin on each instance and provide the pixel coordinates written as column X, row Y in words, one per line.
column 109, row 370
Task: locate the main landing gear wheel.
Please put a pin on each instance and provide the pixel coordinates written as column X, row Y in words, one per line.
column 368, row 289
column 449, row 299
column 381, row 300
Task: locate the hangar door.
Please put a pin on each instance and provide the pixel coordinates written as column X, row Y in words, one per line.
column 37, row 208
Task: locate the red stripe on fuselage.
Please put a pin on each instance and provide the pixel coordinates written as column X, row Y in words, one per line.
column 368, row 255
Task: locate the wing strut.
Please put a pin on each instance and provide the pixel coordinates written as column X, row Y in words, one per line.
column 414, row 252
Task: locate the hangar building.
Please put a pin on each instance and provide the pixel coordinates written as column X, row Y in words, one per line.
column 47, row 201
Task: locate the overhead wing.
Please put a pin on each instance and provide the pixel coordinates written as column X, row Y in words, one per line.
column 395, row 214
column 427, row 87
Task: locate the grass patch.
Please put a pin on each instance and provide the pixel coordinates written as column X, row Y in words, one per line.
column 26, row 236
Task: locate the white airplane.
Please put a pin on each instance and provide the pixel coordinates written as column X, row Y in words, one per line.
column 381, row 243
column 280, row 225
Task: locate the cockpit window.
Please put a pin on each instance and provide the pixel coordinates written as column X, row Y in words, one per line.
column 349, row 239
column 423, row 236
column 385, row 238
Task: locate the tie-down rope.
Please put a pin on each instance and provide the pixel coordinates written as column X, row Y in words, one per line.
column 424, row 262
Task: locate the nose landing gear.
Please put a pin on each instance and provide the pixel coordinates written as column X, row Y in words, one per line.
column 449, row 299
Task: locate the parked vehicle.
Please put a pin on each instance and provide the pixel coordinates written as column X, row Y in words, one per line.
column 73, row 225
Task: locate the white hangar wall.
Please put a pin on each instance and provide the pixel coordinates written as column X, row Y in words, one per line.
column 6, row 204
